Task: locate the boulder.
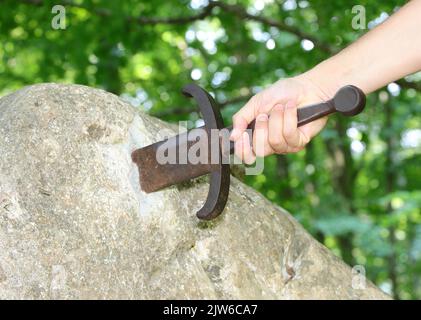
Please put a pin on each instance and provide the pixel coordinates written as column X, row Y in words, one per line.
column 74, row 223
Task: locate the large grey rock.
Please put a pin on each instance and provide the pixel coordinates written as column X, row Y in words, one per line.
column 75, row 225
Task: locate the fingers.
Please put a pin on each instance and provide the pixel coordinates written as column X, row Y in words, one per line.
column 276, row 127
column 284, row 135
column 311, row 129
column 245, row 115
column 276, row 133
column 292, row 136
column 261, row 146
column 239, row 125
column 243, row 149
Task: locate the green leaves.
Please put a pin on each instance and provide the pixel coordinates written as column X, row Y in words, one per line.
column 341, row 225
column 363, row 205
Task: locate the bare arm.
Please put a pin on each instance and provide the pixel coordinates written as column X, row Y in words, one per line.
column 389, row 52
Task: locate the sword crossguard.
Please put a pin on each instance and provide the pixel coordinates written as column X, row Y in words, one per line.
column 220, row 172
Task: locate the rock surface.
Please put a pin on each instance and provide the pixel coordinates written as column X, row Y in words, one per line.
column 74, row 223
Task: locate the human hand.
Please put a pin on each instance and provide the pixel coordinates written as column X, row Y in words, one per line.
column 275, row 111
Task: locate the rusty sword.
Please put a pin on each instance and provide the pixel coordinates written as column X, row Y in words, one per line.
column 155, row 175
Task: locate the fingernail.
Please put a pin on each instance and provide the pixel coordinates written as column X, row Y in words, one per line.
column 246, row 139
column 234, row 134
column 262, row 117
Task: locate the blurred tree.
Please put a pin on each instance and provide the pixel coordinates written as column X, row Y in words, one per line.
column 356, row 187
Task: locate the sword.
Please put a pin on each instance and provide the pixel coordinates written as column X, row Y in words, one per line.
column 154, row 174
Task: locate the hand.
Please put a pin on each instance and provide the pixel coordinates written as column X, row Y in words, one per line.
column 275, row 111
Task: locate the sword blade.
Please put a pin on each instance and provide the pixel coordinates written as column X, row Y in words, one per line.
column 155, row 175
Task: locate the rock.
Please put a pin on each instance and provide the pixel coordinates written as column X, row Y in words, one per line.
column 74, row 223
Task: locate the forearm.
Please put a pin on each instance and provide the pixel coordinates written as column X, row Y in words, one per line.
column 387, row 53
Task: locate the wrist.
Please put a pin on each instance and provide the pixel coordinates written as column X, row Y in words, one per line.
column 326, row 78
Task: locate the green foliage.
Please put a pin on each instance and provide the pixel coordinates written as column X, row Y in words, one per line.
column 357, row 185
